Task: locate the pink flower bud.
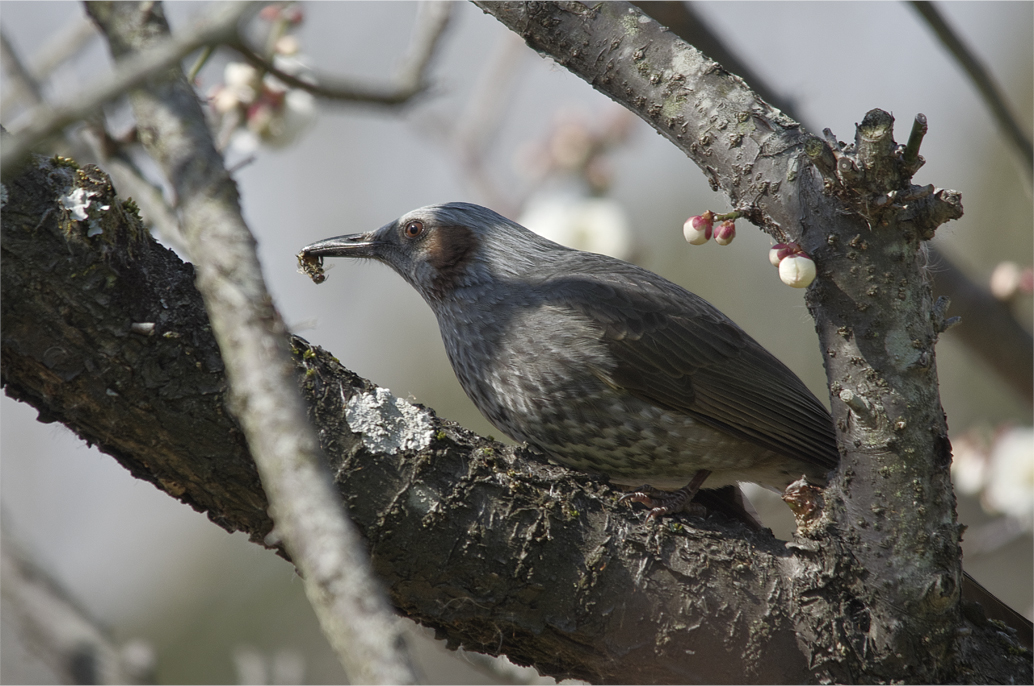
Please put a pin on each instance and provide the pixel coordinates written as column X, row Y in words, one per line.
column 724, row 232
column 697, row 230
column 797, row 270
column 773, row 253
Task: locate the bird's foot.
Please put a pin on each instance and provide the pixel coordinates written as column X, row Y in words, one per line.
column 668, row 502
column 662, row 502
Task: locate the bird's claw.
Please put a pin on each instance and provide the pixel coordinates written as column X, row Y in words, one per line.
column 660, row 502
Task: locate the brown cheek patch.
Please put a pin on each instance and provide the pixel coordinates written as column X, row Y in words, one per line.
column 449, row 250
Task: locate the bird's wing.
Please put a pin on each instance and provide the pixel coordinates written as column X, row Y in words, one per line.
column 676, row 350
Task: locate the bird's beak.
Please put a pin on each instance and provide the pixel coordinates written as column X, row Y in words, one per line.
column 353, row 245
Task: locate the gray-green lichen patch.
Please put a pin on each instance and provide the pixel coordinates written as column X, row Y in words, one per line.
column 687, row 61
column 673, row 105
column 902, row 352
column 631, row 21
column 388, row 424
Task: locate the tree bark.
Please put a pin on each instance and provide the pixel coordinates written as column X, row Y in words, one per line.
column 496, row 550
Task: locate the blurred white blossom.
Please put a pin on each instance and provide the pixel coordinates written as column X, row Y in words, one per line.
column 999, row 468
column 252, row 108
column 594, row 224
column 1010, row 479
column 1009, row 279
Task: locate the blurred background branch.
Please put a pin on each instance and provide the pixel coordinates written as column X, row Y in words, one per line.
column 982, row 80
column 306, row 510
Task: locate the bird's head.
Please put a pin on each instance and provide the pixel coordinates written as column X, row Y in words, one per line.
column 441, row 248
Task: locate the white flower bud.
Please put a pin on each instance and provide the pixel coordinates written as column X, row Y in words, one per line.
column 797, row 270
column 697, row 230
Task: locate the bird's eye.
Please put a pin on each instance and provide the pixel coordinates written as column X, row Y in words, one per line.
column 413, row 229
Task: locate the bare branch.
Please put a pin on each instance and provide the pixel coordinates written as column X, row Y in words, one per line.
column 352, row 609
column 63, row 45
column 869, row 220
column 432, row 21
column 516, row 556
column 988, row 326
column 494, row 549
column 130, row 181
column 59, row 632
column 684, row 21
column 218, row 25
column 57, row 49
column 410, row 81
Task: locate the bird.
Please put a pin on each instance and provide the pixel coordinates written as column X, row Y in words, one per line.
column 609, row 368
column 600, row 365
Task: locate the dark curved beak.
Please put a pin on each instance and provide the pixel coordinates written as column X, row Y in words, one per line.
column 352, row 245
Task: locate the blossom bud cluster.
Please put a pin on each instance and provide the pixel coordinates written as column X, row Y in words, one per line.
column 699, row 229
column 252, row 107
column 796, row 268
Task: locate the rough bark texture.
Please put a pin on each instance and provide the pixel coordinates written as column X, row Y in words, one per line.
column 496, row 550
column 502, row 553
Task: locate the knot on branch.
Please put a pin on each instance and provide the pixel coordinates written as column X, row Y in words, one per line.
column 873, row 175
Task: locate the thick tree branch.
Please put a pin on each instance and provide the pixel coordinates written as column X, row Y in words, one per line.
column 496, row 550
column 864, row 222
column 988, row 327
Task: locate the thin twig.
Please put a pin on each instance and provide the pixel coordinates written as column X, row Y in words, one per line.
column 200, row 62
column 60, row 47
column 915, row 139
column 411, row 79
column 329, row 89
column 56, row 628
column 431, row 24
column 219, row 25
column 981, row 78
column 478, row 125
